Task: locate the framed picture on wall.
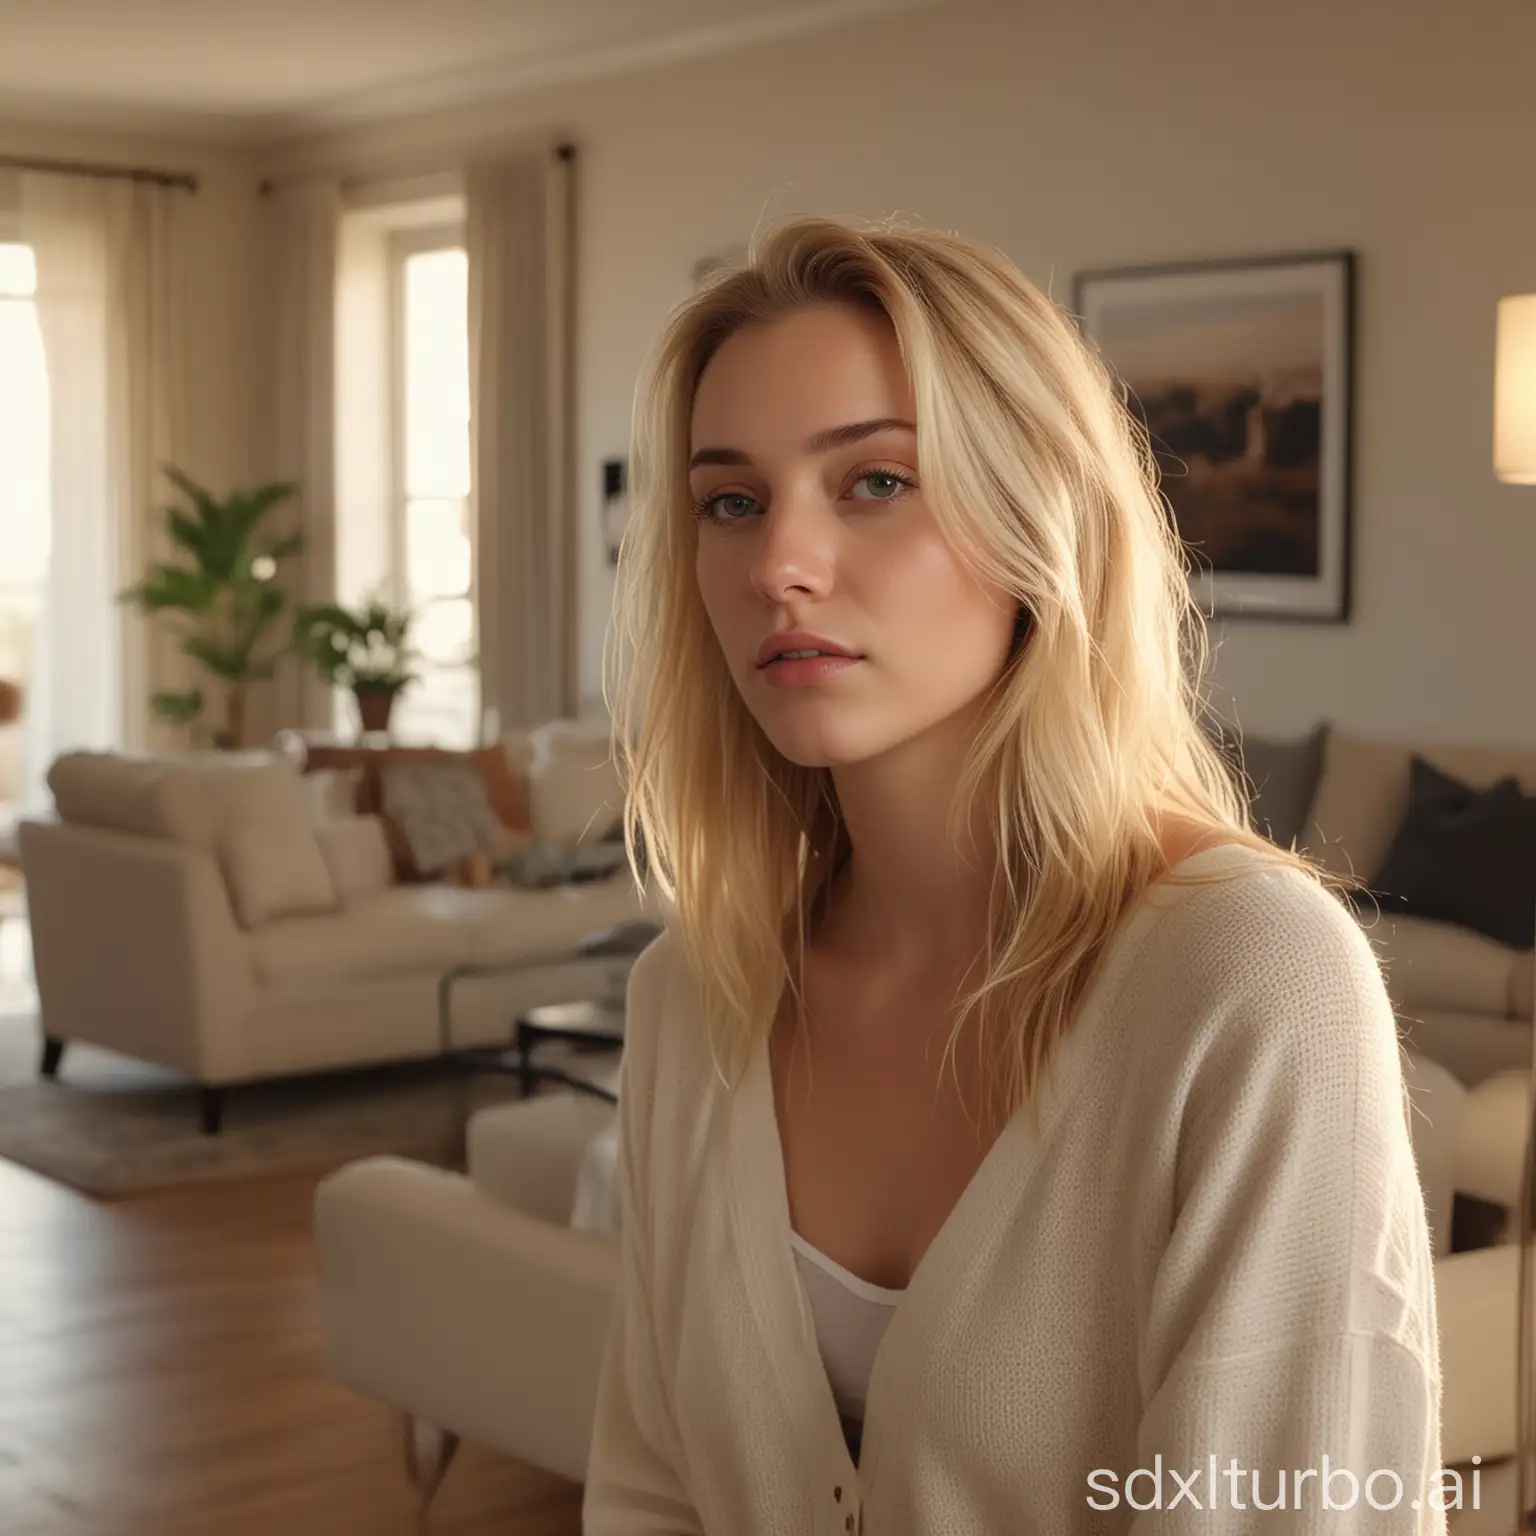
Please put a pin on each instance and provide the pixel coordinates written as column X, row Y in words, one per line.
column 1242, row 373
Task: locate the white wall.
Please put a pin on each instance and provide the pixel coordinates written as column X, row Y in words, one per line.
column 1122, row 131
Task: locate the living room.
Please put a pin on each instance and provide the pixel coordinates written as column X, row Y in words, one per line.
column 402, row 267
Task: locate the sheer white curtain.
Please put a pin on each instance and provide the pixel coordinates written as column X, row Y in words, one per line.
column 308, row 220
column 107, row 308
column 518, row 233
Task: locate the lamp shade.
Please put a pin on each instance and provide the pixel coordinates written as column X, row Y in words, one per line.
column 1514, row 391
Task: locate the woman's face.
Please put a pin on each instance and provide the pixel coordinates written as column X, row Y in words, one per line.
column 804, row 458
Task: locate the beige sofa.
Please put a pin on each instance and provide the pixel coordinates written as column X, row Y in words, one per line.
column 199, row 913
column 1462, row 999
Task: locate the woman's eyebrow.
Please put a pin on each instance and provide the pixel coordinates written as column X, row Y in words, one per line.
column 828, row 438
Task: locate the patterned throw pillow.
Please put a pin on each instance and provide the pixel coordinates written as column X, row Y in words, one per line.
column 442, row 810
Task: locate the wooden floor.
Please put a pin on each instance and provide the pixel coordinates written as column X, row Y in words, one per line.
column 160, row 1375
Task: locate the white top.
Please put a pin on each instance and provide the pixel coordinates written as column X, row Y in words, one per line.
column 850, row 1317
column 1214, row 1246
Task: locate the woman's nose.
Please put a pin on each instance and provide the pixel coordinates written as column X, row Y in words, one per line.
column 795, row 546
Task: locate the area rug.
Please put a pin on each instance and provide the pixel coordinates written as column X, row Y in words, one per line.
column 111, row 1126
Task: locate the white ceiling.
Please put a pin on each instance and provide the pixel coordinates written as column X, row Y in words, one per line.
column 264, row 68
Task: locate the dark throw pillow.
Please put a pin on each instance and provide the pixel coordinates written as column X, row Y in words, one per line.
column 1277, row 775
column 1464, row 856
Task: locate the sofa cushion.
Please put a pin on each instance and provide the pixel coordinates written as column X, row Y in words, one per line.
column 508, row 794
column 574, row 782
column 1284, row 773
column 1434, row 965
column 405, row 930
column 1490, row 1152
column 512, row 924
column 331, row 793
column 506, row 790
column 1363, row 793
column 357, row 854
column 442, row 810
column 247, row 810
column 144, row 796
column 267, row 845
column 409, row 929
column 1464, row 856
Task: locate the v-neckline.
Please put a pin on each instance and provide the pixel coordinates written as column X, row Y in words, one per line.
column 759, row 1188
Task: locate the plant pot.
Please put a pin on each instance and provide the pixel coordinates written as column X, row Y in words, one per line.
column 374, row 706
column 232, row 737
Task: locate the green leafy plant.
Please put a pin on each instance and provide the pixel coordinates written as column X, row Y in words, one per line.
column 225, row 596
column 366, row 649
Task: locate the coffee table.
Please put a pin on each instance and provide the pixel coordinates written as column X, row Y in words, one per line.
column 585, row 1024
column 588, row 1026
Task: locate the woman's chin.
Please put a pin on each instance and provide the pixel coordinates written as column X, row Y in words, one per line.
column 816, row 743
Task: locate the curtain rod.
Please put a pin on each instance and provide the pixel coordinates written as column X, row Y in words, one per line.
column 148, row 173
column 564, row 150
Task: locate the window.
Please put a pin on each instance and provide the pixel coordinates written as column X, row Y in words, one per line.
column 403, row 520
column 24, row 518
column 431, row 540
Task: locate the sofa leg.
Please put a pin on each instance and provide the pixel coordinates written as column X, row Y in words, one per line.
column 53, row 1054
column 212, row 1111
column 426, row 1472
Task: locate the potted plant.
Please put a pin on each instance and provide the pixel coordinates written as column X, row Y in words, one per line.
column 364, row 649
column 226, row 594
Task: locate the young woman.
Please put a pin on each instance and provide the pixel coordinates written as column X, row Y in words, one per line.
column 1011, row 1140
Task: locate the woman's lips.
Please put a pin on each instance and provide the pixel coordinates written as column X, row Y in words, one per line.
column 805, row 671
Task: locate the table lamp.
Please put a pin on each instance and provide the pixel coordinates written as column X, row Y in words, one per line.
column 1514, row 462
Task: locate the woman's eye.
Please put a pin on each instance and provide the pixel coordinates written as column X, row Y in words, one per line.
column 886, row 485
column 731, row 501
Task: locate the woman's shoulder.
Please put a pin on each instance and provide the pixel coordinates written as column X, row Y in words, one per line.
column 1233, row 939
column 1237, row 907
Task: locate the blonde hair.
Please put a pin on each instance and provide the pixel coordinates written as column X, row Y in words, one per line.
column 1043, row 482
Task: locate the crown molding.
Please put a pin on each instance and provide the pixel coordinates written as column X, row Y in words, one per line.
column 479, row 84
column 21, row 112
column 486, row 83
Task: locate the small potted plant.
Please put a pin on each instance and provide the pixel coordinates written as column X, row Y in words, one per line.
column 364, row 649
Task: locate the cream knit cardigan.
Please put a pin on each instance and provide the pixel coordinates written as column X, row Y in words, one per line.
column 1212, row 1259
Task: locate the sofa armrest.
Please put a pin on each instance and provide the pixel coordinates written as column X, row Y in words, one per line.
column 1442, row 967
column 136, row 948
column 528, row 1153
column 1475, row 1304
column 461, row 1311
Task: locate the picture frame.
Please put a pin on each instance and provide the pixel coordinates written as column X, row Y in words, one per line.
column 1242, row 371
